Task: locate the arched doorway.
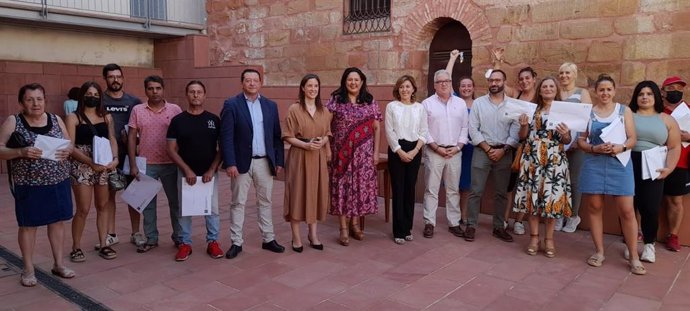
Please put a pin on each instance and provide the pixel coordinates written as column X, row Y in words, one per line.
column 453, row 35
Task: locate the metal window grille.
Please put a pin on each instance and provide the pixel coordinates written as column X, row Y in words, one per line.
column 157, row 9
column 362, row 16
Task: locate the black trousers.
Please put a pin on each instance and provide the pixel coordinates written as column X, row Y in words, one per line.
column 403, row 181
column 648, row 196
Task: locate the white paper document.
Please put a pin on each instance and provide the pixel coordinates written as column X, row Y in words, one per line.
column 574, row 115
column 141, row 165
column 514, row 108
column 682, row 116
column 615, row 133
column 197, row 199
column 49, row 145
column 140, row 192
column 652, row 161
column 102, row 153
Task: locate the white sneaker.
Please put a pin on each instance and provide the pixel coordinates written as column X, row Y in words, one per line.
column 649, row 253
column 110, row 240
column 571, row 224
column 518, row 228
column 559, row 224
column 138, row 239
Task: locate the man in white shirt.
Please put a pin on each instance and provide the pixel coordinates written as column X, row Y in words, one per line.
column 494, row 138
column 447, row 119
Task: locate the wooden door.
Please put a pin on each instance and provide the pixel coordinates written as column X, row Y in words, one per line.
column 450, row 36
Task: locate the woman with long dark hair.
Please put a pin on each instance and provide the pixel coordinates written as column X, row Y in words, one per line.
column 654, row 128
column 90, row 180
column 307, row 130
column 355, row 147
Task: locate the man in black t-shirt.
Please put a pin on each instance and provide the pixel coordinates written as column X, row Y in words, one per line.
column 193, row 145
column 119, row 105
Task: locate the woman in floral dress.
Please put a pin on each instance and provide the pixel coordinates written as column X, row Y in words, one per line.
column 355, row 145
column 543, row 189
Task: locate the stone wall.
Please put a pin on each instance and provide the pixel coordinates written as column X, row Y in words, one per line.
column 630, row 39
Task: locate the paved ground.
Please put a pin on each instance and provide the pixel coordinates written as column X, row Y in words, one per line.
column 443, row 273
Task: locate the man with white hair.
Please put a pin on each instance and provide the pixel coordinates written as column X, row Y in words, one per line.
column 447, row 117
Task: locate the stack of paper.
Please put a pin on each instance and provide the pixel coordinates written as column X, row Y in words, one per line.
column 140, row 192
column 615, row 133
column 574, row 115
column 196, row 199
column 49, row 145
column 514, row 108
column 102, row 153
column 682, row 116
column 652, row 161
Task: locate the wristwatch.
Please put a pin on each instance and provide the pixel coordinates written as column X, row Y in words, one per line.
column 625, row 148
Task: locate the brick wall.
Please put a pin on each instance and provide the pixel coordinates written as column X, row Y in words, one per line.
column 630, row 39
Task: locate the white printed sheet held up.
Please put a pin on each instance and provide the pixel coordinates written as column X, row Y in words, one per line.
column 515, row 107
column 140, row 192
column 682, row 116
column 615, row 133
column 574, row 115
column 102, row 152
column 196, row 199
column 49, row 145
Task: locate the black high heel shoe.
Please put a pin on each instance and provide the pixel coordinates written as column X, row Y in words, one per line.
column 315, row 246
column 296, row 249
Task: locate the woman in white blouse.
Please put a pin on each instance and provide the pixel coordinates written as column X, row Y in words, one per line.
column 406, row 129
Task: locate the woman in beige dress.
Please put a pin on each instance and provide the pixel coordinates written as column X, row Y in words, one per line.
column 307, row 130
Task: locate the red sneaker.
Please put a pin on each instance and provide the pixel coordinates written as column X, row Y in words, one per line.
column 214, row 250
column 183, row 252
column 672, row 243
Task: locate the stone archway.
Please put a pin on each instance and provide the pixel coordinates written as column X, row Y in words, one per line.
column 428, row 17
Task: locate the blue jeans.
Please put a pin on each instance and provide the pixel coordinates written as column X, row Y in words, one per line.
column 212, row 221
column 167, row 174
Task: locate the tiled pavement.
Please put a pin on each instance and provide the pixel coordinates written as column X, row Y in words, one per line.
column 443, row 273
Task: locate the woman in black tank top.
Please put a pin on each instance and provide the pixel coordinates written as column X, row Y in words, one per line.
column 88, row 178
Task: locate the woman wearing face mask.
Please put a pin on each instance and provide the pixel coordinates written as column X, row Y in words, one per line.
column 567, row 75
column 676, row 184
column 355, row 153
column 88, row 178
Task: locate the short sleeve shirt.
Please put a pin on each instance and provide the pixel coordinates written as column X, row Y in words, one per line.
column 197, row 139
column 152, row 127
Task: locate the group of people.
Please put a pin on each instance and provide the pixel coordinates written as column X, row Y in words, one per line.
column 332, row 162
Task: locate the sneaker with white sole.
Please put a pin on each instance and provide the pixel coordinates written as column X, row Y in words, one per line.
column 138, row 239
column 648, row 253
column 110, row 240
column 559, row 224
column 571, row 224
column 519, row 228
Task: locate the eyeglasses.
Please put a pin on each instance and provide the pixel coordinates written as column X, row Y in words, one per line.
column 442, row 82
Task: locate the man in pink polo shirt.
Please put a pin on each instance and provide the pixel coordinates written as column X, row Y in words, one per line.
column 150, row 121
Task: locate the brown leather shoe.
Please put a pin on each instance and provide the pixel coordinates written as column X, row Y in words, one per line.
column 503, row 235
column 456, row 231
column 469, row 234
column 428, row 231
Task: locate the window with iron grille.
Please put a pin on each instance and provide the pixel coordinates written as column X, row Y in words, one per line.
column 362, row 16
column 157, row 9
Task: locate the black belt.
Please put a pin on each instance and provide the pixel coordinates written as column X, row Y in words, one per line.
column 446, row 146
column 500, row 146
column 258, row 157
